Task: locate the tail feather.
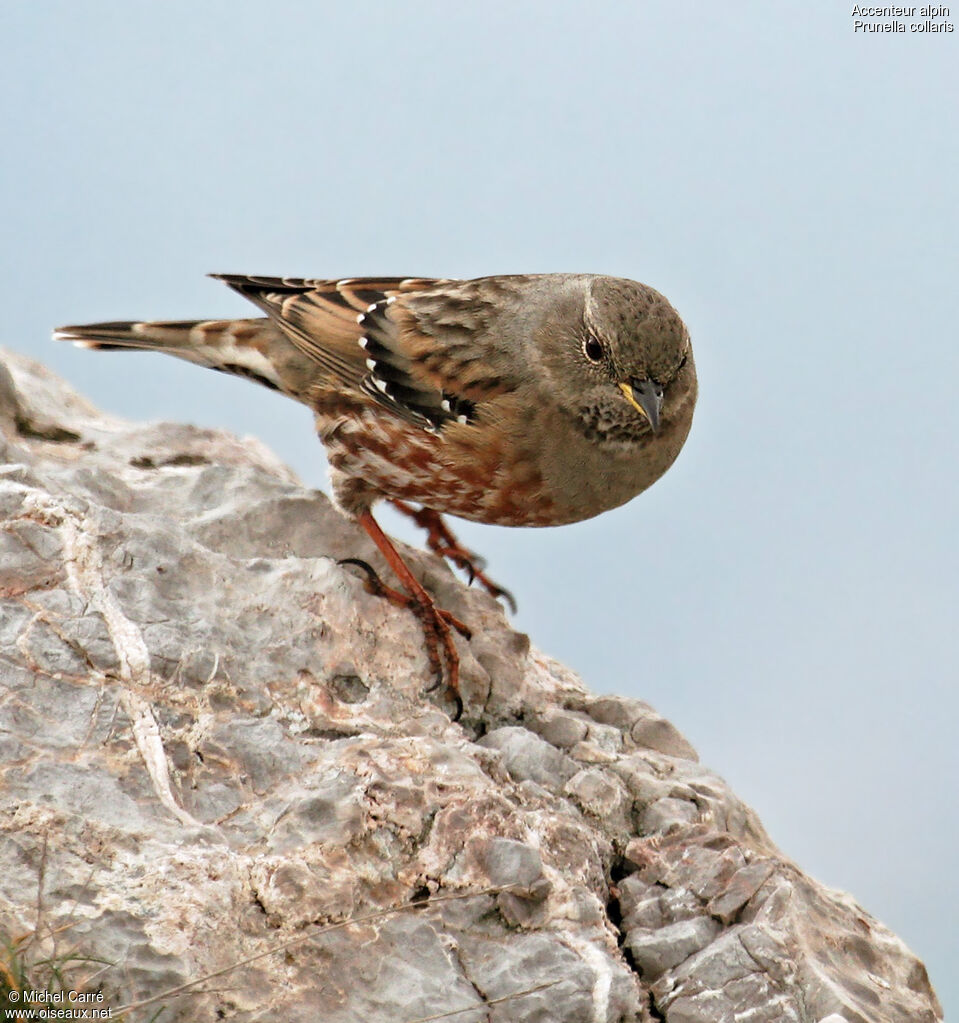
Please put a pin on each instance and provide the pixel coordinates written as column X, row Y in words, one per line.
column 160, row 335
column 240, row 347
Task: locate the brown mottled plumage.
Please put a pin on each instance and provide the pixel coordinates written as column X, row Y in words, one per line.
column 531, row 400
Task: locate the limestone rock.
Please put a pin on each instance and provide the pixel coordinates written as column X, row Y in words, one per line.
column 219, row 760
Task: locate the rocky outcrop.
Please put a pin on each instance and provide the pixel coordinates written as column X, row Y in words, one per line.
column 219, row 761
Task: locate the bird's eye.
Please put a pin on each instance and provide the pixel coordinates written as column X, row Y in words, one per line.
column 682, row 363
column 593, row 349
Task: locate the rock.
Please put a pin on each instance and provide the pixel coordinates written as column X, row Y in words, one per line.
column 654, row 952
column 220, row 760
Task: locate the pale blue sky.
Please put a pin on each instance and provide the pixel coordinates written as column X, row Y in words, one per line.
column 787, row 594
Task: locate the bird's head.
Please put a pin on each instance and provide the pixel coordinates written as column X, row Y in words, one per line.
column 625, row 360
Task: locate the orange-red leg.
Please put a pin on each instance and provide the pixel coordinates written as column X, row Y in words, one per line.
column 443, row 541
column 436, row 621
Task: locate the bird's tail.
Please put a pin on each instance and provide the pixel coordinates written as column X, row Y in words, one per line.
column 241, row 347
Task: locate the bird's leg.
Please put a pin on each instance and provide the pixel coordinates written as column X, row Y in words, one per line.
column 441, row 540
column 436, row 621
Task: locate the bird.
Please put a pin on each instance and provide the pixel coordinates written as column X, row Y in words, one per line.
column 515, row 400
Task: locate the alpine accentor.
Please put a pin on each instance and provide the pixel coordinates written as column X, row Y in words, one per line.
column 529, row 400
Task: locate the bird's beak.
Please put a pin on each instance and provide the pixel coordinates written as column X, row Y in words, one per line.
column 645, row 396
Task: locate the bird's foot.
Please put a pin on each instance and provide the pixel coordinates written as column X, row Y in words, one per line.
column 443, row 541
column 376, row 586
column 437, row 623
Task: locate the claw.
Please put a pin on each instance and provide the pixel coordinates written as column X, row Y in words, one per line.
column 371, row 575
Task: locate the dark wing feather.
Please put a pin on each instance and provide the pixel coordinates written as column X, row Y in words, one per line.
column 392, row 380
column 319, row 317
column 410, row 344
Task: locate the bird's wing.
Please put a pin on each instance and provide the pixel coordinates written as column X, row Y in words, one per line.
column 320, row 317
column 417, row 346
